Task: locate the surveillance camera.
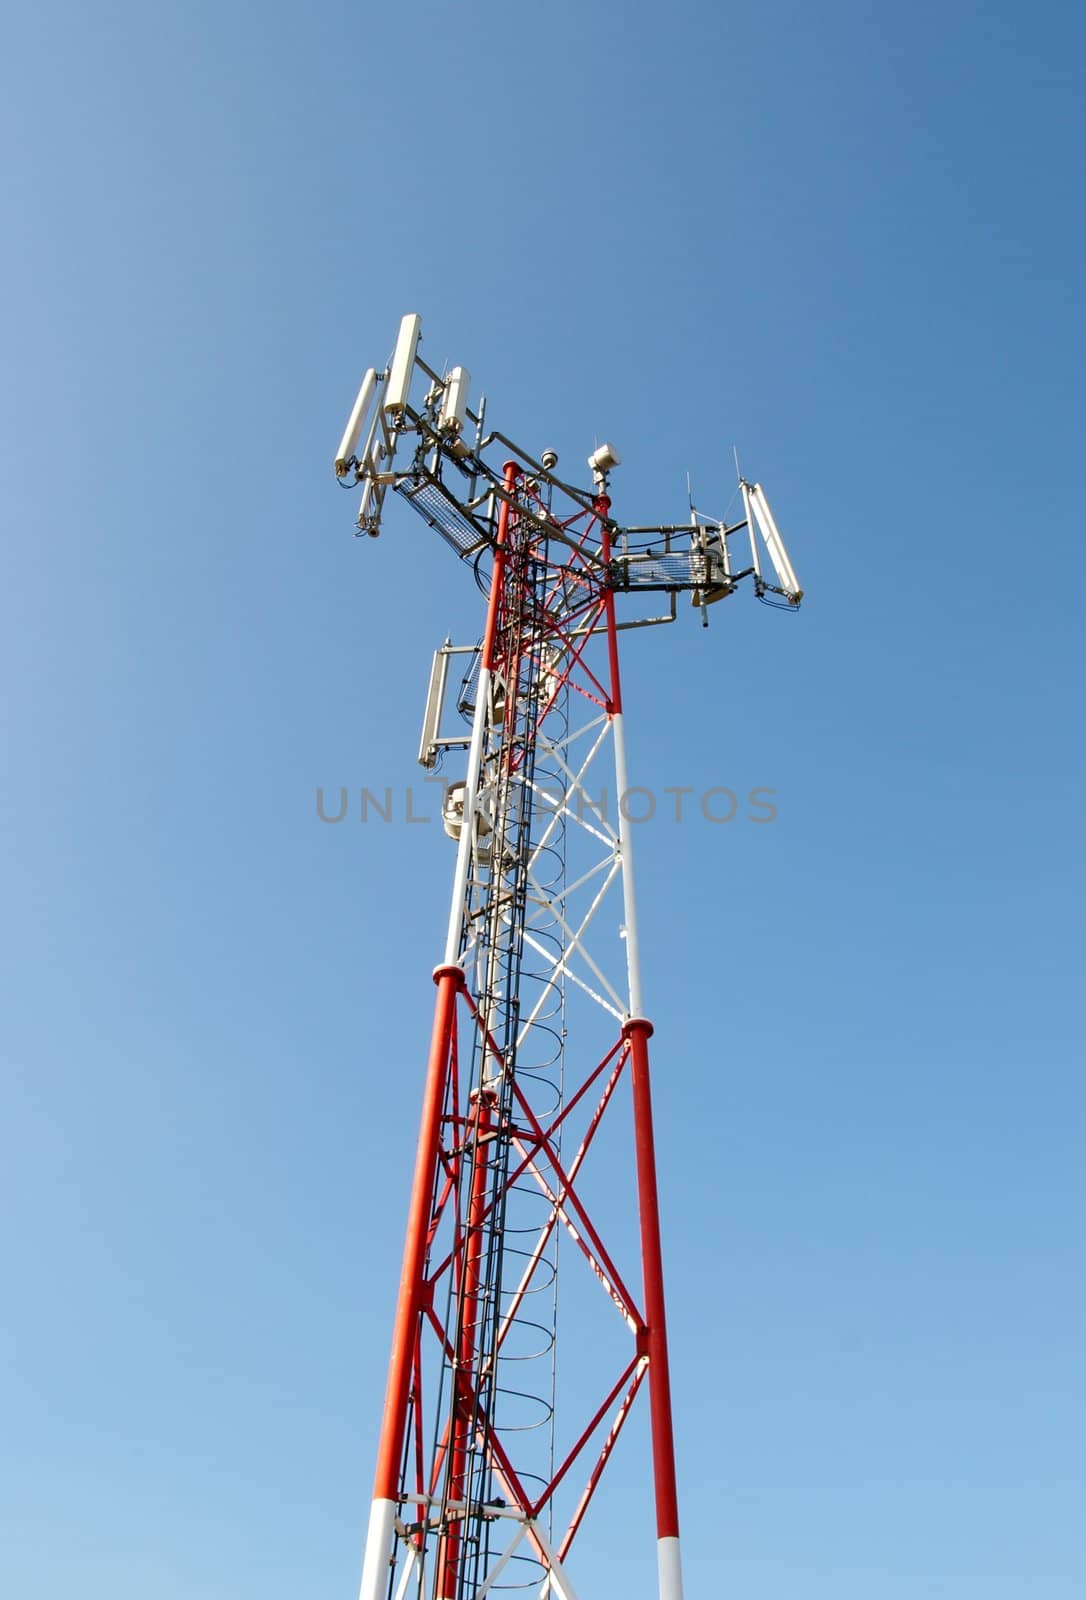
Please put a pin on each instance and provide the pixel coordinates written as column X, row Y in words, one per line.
column 549, row 459
column 602, row 460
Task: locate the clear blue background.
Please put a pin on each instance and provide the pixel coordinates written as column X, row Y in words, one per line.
column 846, row 238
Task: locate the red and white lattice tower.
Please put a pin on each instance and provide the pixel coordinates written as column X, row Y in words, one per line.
column 492, row 1447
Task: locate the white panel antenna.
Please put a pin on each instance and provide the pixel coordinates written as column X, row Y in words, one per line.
column 754, row 561
column 402, row 368
column 433, row 741
column 754, row 497
column 356, row 422
column 455, row 403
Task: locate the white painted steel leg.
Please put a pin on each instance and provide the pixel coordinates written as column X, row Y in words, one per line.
column 670, row 1569
column 625, row 844
column 378, row 1549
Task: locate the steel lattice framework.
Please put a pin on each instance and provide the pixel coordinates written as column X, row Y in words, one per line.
column 489, row 1456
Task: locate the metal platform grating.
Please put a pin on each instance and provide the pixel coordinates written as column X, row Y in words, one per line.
column 661, row 571
column 437, row 507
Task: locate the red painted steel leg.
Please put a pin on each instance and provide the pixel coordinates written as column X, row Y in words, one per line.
column 663, row 1446
column 450, row 982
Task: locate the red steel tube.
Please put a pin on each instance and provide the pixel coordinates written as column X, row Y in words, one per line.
column 450, row 981
column 663, row 1444
column 497, row 581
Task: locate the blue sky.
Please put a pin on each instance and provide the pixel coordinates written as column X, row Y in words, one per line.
column 845, row 239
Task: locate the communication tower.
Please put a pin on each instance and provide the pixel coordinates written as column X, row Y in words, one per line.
column 492, row 1448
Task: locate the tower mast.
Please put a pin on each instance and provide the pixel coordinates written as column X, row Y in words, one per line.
column 490, row 1457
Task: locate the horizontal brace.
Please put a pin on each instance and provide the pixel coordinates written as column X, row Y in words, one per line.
column 581, row 496
column 700, row 526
